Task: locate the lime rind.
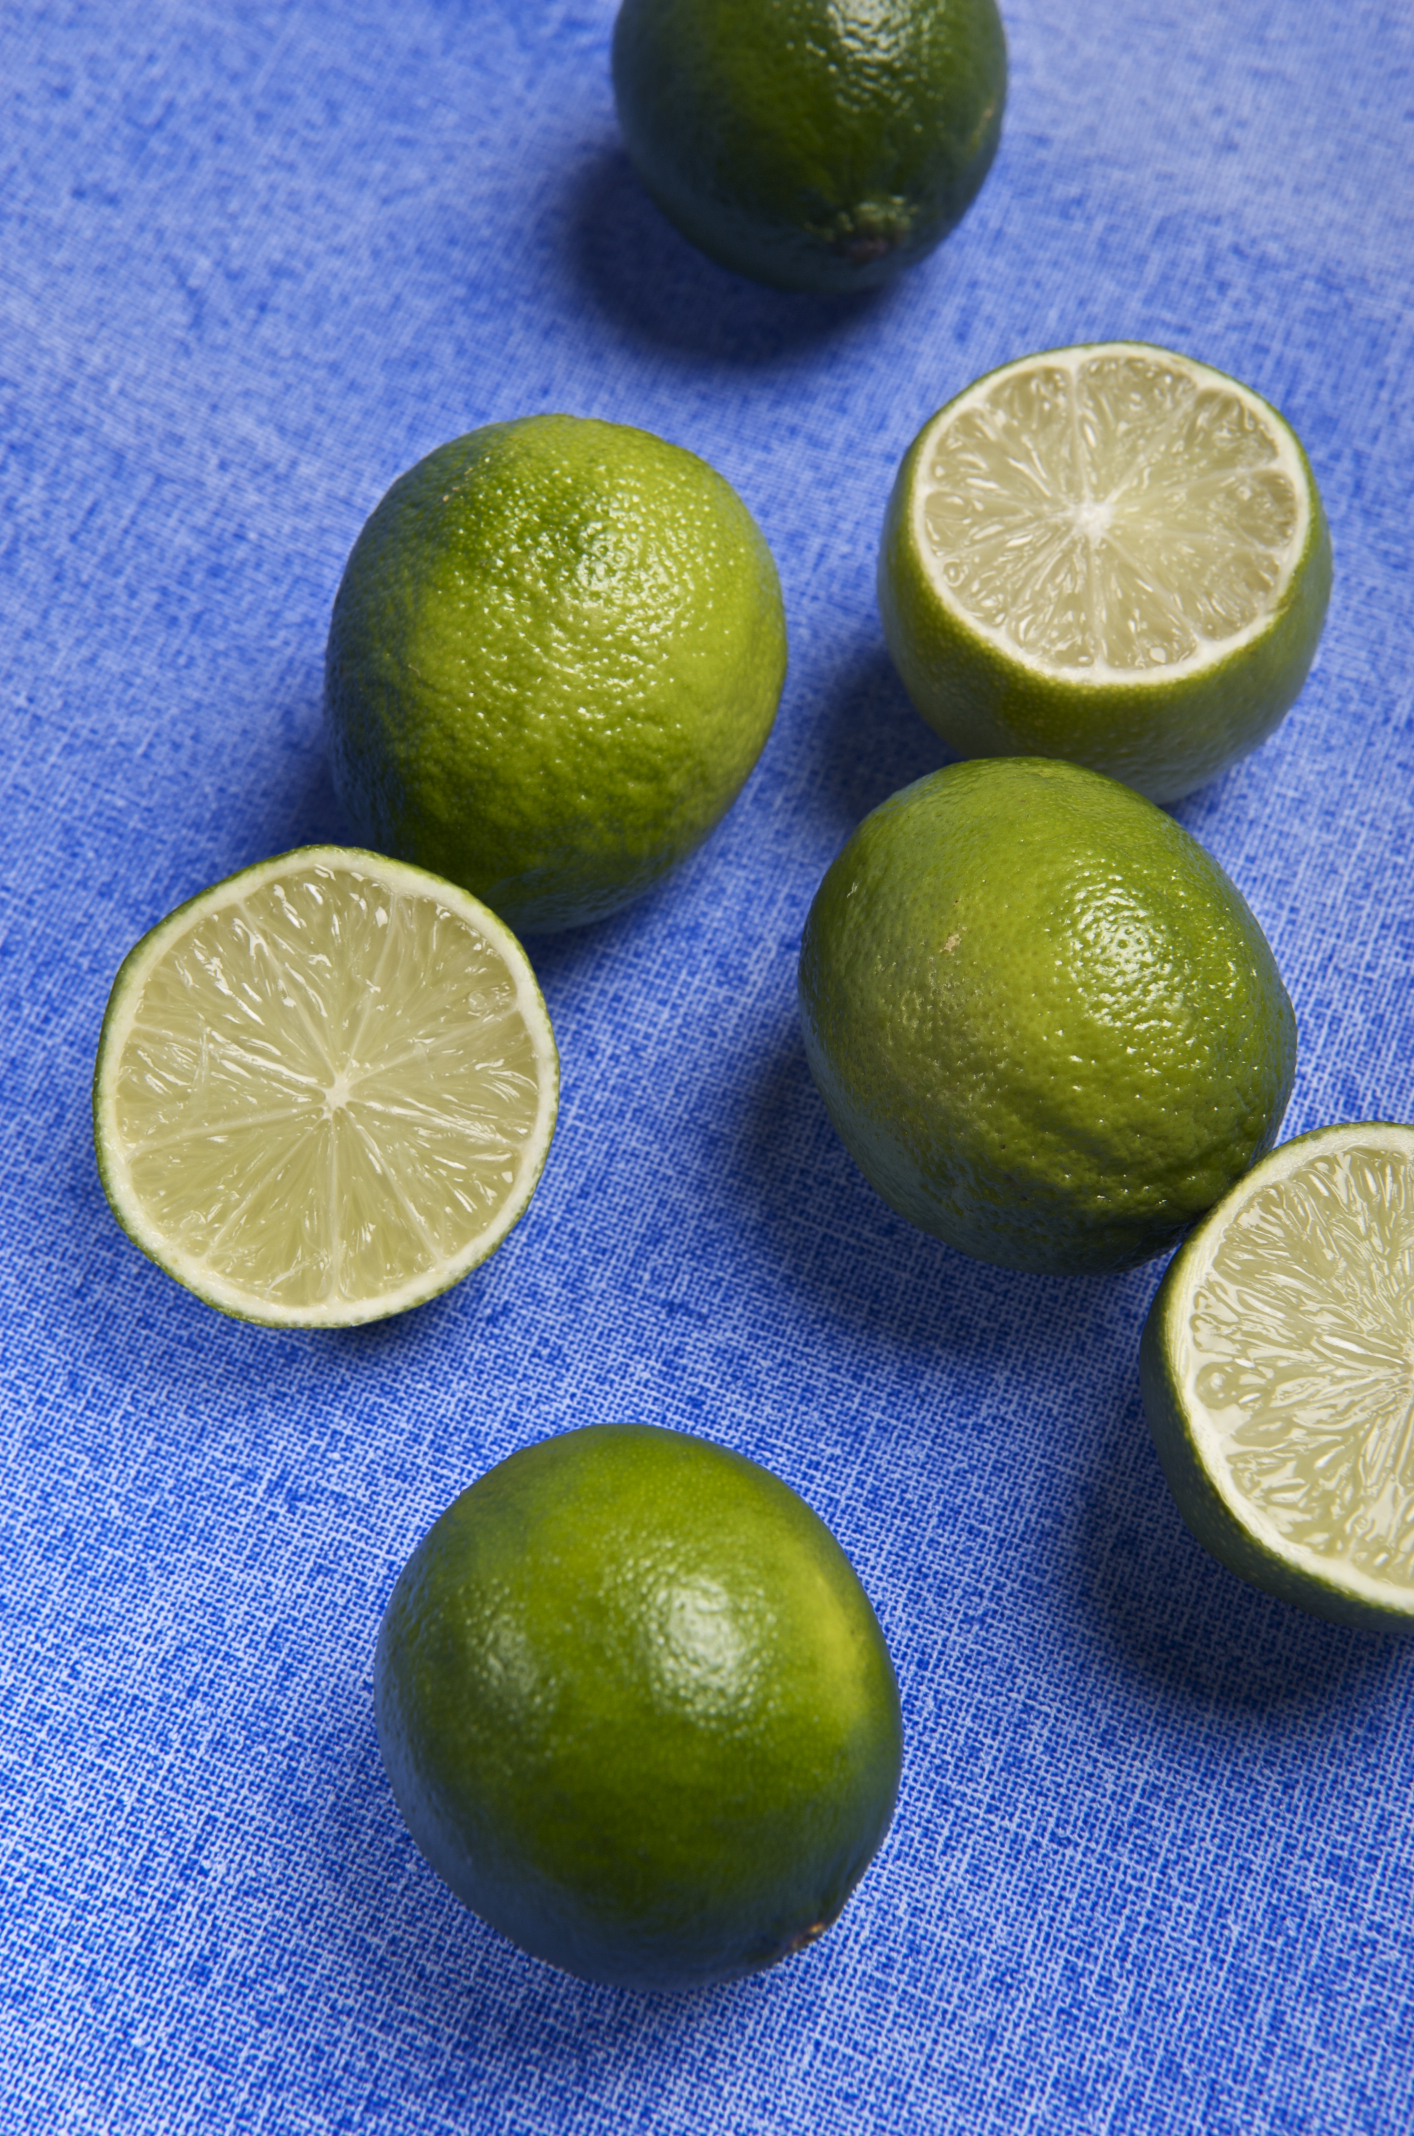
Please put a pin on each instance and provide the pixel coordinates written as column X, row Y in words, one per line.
column 810, row 147
column 1163, row 725
column 1277, row 1366
column 1045, row 1024
column 139, row 1072
column 555, row 656
column 661, row 1781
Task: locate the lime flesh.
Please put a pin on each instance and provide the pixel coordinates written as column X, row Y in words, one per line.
column 1111, row 554
column 1278, row 1371
column 636, row 1709
column 324, row 1090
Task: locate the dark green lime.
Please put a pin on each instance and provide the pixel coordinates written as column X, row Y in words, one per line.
column 812, row 144
column 637, row 1711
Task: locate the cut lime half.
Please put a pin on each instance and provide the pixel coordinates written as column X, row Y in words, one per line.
column 1110, row 554
column 325, row 1089
column 1278, row 1373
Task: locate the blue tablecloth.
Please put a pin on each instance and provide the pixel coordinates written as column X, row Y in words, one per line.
column 1151, row 1867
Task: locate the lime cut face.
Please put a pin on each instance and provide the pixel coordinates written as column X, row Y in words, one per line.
column 1279, row 1373
column 1112, row 512
column 325, row 1089
column 1108, row 553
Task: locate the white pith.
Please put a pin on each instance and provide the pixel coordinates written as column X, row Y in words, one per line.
column 1060, row 543
column 325, row 1090
column 1292, row 1343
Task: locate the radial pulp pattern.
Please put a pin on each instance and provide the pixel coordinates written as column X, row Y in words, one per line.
column 1113, row 511
column 325, row 1089
column 1288, row 1340
column 1110, row 554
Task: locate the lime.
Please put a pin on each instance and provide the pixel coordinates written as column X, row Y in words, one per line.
column 325, row 1089
column 1278, row 1372
column 1109, row 554
column 555, row 655
column 1043, row 1021
column 810, row 144
column 636, row 1709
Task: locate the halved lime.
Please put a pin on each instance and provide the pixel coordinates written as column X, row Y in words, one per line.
column 1110, row 554
column 1278, row 1373
column 325, row 1089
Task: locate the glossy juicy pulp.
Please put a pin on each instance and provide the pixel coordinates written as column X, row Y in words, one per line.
column 1112, row 555
column 812, row 145
column 327, row 1087
column 637, row 1710
column 1112, row 513
column 1295, row 1355
column 1043, row 1020
column 555, row 655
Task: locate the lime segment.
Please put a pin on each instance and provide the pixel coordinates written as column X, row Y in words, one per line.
column 1279, row 1375
column 325, row 1089
column 1112, row 514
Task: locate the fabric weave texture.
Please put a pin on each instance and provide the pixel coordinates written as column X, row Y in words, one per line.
column 1152, row 1864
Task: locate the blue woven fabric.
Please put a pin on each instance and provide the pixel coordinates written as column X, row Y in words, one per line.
column 1151, row 1867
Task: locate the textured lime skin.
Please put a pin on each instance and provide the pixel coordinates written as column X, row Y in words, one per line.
column 636, row 1709
column 811, row 145
column 1208, row 1515
column 1163, row 736
column 555, row 655
column 1043, row 1021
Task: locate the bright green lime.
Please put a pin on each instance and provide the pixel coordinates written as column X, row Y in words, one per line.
column 1043, row 1021
column 1110, row 554
column 806, row 143
column 637, row 1711
column 1278, row 1373
column 555, row 655
column 325, row 1089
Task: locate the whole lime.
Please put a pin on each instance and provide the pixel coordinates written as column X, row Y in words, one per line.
column 809, row 144
column 636, row 1709
column 555, row 654
column 1043, row 1021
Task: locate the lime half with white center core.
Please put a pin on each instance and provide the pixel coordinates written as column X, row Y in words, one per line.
column 325, row 1089
column 1109, row 554
column 1278, row 1373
